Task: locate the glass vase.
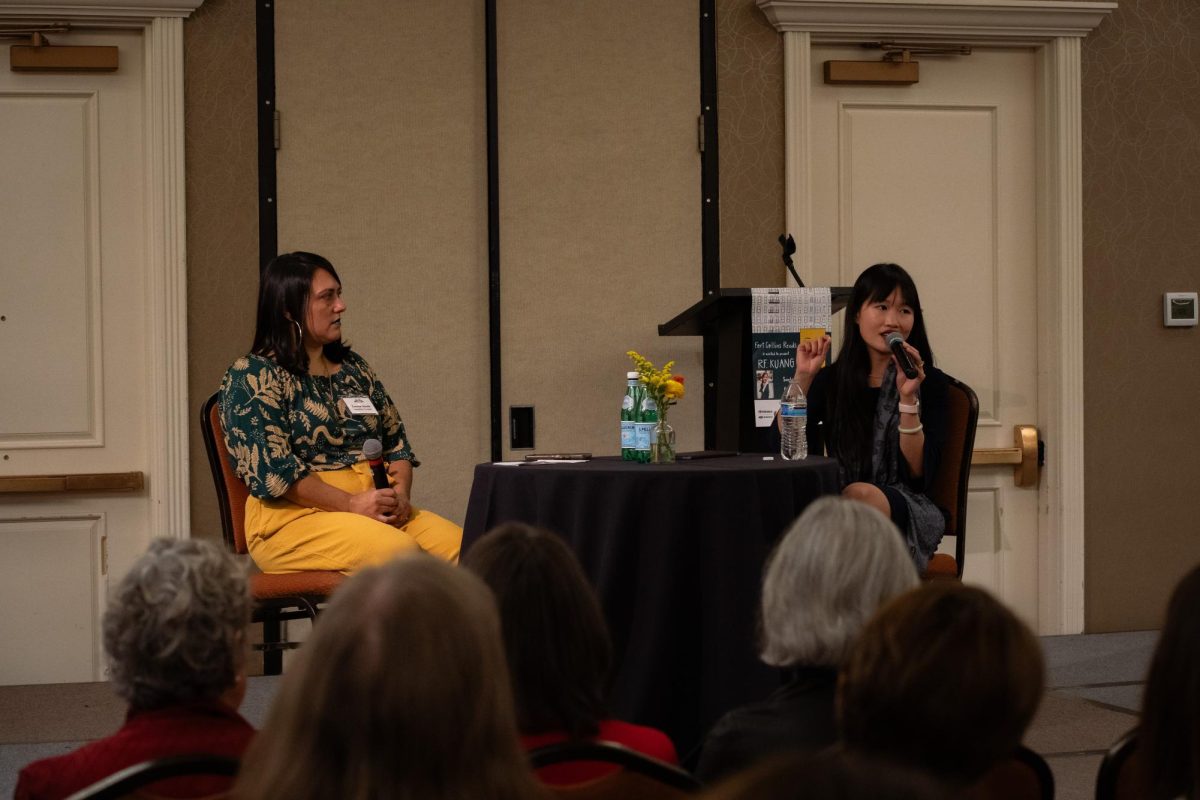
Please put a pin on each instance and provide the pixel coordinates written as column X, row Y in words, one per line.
column 662, row 443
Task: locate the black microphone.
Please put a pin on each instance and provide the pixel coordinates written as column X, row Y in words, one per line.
column 896, row 342
column 373, row 452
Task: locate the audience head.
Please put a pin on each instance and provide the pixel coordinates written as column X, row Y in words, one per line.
column 401, row 692
column 175, row 628
column 829, row 775
column 944, row 678
column 837, row 564
column 1170, row 728
column 555, row 636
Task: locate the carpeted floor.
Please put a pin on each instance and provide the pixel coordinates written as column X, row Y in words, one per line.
column 1094, row 687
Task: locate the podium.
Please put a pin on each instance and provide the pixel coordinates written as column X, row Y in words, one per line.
column 723, row 319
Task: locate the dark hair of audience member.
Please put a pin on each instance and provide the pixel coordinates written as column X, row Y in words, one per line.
column 558, row 647
column 1169, row 740
column 944, row 678
column 832, row 774
column 401, row 692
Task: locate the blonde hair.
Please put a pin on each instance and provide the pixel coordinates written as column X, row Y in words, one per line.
column 402, row 692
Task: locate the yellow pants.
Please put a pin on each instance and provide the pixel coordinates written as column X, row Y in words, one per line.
column 285, row 537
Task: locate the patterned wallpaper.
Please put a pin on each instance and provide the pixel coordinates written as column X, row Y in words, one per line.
column 1141, row 189
column 750, row 133
column 221, row 130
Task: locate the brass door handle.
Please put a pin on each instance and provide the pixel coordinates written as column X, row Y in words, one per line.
column 1023, row 455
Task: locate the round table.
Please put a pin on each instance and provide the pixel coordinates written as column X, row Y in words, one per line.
column 675, row 553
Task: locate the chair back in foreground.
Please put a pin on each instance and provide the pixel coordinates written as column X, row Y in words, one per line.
column 1024, row 776
column 641, row 777
column 296, row 595
column 128, row 781
column 1119, row 778
column 949, row 490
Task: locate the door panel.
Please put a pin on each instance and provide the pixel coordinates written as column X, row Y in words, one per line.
column 73, row 339
column 54, row 622
column 939, row 177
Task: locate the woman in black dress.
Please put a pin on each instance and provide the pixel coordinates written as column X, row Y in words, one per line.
column 886, row 430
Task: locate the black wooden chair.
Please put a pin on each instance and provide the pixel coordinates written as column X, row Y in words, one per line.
column 949, row 488
column 131, row 779
column 277, row 598
column 1023, row 776
column 640, row 777
column 1119, row 777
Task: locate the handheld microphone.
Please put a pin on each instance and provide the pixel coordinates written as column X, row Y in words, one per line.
column 896, row 342
column 373, row 452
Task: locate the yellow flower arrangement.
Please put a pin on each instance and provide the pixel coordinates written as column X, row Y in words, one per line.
column 660, row 384
column 665, row 388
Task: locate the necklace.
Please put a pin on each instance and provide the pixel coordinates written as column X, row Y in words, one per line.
column 329, row 400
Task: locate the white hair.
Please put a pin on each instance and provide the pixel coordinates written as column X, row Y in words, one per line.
column 838, row 563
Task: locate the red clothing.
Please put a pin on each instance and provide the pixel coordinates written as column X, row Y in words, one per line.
column 647, row 741
column 209, row 727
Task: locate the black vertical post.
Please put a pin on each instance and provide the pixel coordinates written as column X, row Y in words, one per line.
column 710, row 207
column 493, row 189
column 268, row 220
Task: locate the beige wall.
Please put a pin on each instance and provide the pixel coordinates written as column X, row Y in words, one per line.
column 222, row 213
column 750, row 133
column 1141, row 192
column 600, row 209
column 382, row 169
column 1141, row 173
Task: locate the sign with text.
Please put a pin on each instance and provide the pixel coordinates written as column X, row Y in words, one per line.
column 779, row 320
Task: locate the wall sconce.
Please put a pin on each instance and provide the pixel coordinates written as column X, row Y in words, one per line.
column 41, row 56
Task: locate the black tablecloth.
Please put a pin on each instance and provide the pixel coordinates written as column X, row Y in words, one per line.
column 675, row 553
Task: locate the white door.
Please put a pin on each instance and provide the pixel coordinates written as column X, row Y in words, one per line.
column 73, row 348
column 940, row 178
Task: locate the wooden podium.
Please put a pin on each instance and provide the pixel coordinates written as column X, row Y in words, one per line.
column 723, row 319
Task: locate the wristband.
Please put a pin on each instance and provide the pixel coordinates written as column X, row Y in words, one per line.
column 920, row 427
column 915, row 408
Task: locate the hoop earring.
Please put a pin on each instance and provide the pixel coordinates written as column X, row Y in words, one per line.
column 299, row 331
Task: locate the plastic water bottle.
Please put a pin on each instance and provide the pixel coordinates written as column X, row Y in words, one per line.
column 629, row 414
column 793, row 423
column 647, row 419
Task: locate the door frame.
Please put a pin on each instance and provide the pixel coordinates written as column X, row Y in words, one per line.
column 161, row 24
column 1054, row 29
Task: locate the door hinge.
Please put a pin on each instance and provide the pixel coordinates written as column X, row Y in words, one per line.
column 276, row 128
column 700, row 132
column 103, row 555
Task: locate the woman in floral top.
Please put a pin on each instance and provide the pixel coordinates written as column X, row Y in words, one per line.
column 296, row 412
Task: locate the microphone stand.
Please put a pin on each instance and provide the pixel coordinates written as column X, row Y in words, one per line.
column 789, row 246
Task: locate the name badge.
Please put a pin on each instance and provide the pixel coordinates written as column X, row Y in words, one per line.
column 360, row 404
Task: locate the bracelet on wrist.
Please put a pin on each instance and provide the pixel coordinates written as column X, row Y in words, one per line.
column 914, row 408
column 920, row 427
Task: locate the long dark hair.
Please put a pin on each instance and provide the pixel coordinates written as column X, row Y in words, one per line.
column 555, row 638
column 283, row 289
column 853, row 406
column 1170, row 733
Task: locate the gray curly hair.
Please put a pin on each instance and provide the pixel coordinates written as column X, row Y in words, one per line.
column 837, row 564
column 175, row 629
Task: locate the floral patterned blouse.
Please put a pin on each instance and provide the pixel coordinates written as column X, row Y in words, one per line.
column 279, row 427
